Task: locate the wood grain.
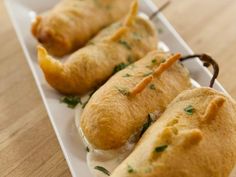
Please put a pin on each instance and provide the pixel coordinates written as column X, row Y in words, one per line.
column 28, row 145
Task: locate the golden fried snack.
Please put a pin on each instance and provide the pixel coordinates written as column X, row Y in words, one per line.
column 119, row 109
column 72, row 23
column 194, row 137
column 120, row 44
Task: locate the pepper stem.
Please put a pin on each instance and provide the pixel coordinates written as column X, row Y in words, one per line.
column 207, row 61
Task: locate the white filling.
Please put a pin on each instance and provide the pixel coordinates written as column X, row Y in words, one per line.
column 109, row 159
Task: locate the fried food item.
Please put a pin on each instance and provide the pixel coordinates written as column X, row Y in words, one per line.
column 119, row 109
column 120, row 44
column 194, row 137
column 72, row 23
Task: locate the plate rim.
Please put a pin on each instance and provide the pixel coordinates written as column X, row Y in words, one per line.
column 150, row 4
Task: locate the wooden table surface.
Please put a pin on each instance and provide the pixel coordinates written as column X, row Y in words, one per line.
column 28, row 145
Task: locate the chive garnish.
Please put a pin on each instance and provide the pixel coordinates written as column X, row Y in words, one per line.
column 161, row 148
column 119, row 67
column 154, row 61
column 130, row 169
column 71, row 101
column 130, row 59
column 189, row 110
column 123, row 91
column 151, row 118
column 125, row 44
column 102, row 169
column 152, row 87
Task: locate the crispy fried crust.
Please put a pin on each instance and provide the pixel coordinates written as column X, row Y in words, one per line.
column 92, row 65
column 71, row 23
column 199, row 143
column 111, row 116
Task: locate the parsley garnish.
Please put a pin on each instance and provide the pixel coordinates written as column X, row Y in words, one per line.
column 125, row 44
column 151, row 118
column 130, row 59
column 124, row 65
column 161, row 148
column 102, row 169
column 189, row 110
column 130, row 169
column 119, row 67
column 71, row 101
column 123, row 91
column 152, row 87
column 154, row 61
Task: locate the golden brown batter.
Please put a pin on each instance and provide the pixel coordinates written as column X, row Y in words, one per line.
column 113, row 114
column 120, row 44
column 194, row 137
column 72, row 23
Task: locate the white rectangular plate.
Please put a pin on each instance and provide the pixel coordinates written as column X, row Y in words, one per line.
column 22, row 13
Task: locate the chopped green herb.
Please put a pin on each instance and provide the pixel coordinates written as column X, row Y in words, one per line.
column 130, row 59
column 151, row 118
column 87, row 149
column 154, row 61
column 123, row 91
column 127, row 75
column 130, row 169
column 152, row 87
column 125, row 44
column 189, row 110
column 102, row 169
column 161, row 148
column 71, row 101
column 119, row 67
column 147, row 74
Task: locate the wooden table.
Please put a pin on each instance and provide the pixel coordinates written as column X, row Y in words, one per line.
column 28, row 145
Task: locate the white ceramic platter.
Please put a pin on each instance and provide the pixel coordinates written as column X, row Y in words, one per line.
column 22, row 12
